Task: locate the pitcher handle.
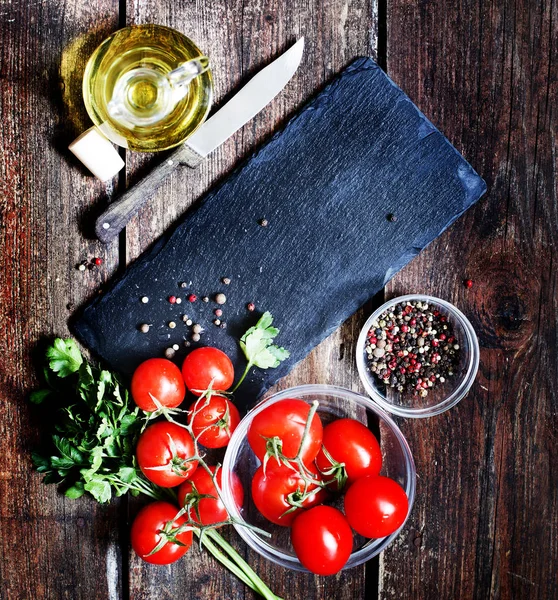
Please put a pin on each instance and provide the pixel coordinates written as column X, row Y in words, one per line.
column 187, row 71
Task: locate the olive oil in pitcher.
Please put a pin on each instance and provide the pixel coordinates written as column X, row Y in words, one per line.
column 147, row 87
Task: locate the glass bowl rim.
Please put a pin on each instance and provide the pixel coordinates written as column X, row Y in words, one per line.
column 239, row 435
column 457, row 394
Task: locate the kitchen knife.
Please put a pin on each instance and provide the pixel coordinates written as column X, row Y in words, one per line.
column 242, row 107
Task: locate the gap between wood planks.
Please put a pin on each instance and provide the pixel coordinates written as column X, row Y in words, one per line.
column 372, row 569
column 124, row 529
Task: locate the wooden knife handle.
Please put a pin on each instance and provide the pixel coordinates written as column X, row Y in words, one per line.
column 119, row 213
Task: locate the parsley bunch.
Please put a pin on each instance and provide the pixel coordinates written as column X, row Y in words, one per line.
column 96, row 426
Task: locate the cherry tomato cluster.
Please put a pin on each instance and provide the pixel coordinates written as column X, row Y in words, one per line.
column 305, row 464
column 167, row 451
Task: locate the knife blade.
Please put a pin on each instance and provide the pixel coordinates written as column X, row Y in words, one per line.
column 240, row 109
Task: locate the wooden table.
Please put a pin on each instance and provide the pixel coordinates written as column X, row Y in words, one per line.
column 486, row 73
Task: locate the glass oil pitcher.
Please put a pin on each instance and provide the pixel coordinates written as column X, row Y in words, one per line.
column 147, row 87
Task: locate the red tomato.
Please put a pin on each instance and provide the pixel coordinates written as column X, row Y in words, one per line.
column 211, row 510
column 286, row 420
column 206, row 367
column 147, row 532
column 322, row 539
column 163, row 451
column 376, row 506
column 157, row 378
column 274, row 492
column 215, row 419
column 351, row 443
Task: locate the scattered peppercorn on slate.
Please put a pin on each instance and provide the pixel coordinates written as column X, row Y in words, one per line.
column 357, row 183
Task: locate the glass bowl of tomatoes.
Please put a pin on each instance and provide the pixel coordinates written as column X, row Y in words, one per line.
column 279, row 450
column 417, row 356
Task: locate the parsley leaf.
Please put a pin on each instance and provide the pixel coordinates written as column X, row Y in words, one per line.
column 76, row 491
column 38, row 396
column 258, row 348
column 99, row 488
column 280, row 354
column 64, row 357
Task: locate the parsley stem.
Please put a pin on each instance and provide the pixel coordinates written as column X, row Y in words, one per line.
column 248, row 367
column 257, row 583
column 225, row 560
column 237, row 565
column 153, row 491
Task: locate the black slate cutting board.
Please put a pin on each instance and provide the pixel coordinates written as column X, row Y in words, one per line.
column 327, row 184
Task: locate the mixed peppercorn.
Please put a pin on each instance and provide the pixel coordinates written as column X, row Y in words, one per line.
column 86, row 264
column 412, row 348
column 197, row 330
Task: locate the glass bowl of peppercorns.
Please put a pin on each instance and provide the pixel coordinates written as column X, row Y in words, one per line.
column 417, row 356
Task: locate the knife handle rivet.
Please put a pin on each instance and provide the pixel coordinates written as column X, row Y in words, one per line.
column 170, row 162
column 106, row 225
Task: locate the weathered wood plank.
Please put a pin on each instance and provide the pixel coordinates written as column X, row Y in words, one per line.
column 240, row 38
column 51, row 547
column 484, row 525
column 485, row 521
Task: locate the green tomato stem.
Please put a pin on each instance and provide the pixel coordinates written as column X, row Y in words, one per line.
column 307, row 425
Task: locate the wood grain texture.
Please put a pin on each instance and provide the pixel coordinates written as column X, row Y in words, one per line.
column 51, row 547
column 485, row 524
column 241, row 38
